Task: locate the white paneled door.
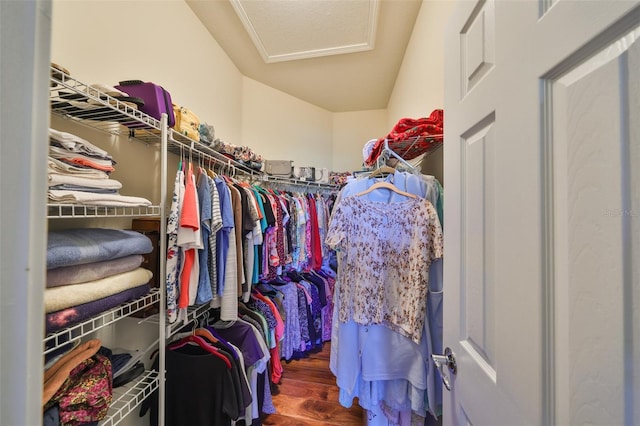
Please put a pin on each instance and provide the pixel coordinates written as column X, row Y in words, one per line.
column 542, row 229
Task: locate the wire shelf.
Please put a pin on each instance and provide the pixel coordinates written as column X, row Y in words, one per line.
column 182, row 145
column 128, row 397
column 297, row 182
column 89, row 106
column 416, row 146
column 59, row 338
column 74, row 211
column 401, row 151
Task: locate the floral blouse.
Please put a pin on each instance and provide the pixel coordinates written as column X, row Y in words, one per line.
column 385, row 250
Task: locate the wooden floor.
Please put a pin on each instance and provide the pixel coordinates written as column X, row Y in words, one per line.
column 308, row 395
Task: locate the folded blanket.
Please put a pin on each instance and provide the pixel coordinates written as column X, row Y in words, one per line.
column 75, row 143
column 57, row 167
column 59, row 179
column 62, row 297
column 70, row 187
column 76, row 274
column 77, row 159
column 96, row 199
column 73, row 315
column 87, row 245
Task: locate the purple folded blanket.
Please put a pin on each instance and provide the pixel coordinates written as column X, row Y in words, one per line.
column 86, row 272
column 70, row 316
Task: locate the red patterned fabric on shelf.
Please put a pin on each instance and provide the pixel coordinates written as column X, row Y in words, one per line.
column 411, row 137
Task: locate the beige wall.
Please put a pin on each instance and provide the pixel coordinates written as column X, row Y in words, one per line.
column 419, row 88
column 242, row 111
column 351, row 131
column 281, row 127
column 103, row 41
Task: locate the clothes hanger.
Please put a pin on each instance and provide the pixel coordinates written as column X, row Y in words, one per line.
column 216, row 322
column 206, row 334
column 210, row 170
column 386, row 185
column 202, row 343
column 190, row 338
column 382, row 170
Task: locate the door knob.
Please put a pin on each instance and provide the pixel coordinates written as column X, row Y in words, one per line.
column 448, row 359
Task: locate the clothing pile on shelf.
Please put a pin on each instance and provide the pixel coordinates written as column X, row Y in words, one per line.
column 242, row 154
column 79, row 382
column 388, row 300
column 78, row 173
column 78, row 386
column 91, row 270
column 339, row 178
column 409, row 138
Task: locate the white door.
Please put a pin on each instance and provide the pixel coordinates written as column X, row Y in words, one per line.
column 542, row 229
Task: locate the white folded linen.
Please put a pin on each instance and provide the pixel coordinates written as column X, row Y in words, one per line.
column 75, row 143
column 95, row 199
column 55, row 179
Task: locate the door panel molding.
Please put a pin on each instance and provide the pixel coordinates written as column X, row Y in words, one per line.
column 477, row 45
column 477, row 242
column 571, row 153
column 548, row 255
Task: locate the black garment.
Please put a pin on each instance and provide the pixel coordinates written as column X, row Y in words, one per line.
column 268, row 211
column 242, row 309
column 243, row 398
column 199, row 390
column 315, row 326
column 247, row 220
column 289, row 227
column 319, row 284
column 118, row 361
column 259, row 258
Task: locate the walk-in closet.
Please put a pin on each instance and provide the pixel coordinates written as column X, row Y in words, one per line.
column 319, row 213
column 150, row 320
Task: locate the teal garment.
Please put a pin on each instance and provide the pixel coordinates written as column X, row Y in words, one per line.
column 263, row 226
column 255, row 279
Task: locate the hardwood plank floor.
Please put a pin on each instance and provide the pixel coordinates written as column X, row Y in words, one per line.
column 308, row 396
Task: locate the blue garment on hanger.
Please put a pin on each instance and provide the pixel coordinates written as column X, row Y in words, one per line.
column 204, row 293
column 222, row 237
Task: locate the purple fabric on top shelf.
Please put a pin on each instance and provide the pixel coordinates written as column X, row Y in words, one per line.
column 67, row 317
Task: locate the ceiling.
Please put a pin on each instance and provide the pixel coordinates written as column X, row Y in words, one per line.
column 341, row 55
